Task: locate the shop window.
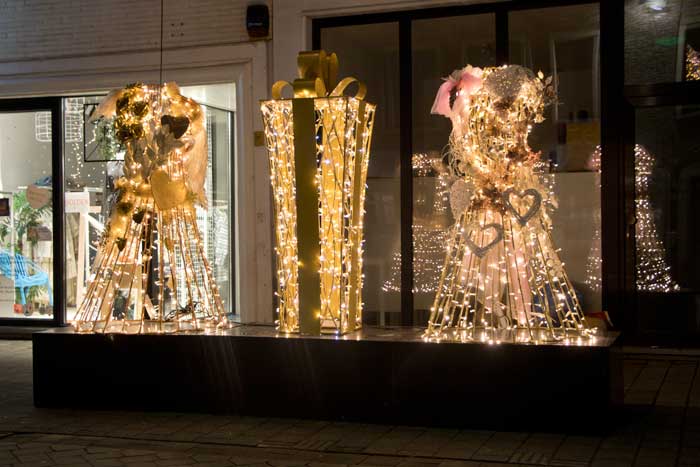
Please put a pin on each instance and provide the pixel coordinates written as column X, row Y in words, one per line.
column 370, row 52
column 438, row 46
column 563, row 42
column 667, row 181
column 92, row 161
column 26, row 216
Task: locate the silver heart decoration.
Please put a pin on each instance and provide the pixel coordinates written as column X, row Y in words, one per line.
column 534, row 208
column 478, row 250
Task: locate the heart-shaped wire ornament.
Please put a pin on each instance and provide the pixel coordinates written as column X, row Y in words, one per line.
column 532, row 210
column 481, row 250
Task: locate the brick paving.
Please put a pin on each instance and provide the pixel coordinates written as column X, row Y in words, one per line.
column 660, row 427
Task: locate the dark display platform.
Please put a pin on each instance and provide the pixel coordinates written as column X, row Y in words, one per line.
column 374, row 375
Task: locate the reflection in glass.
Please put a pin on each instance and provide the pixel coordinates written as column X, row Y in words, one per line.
column 439, row 46
column 431, row 215
column 370, row 53
column 564, row 42
column 26, row 215
column 653, row 274
column 667, row 173
column 667, row 189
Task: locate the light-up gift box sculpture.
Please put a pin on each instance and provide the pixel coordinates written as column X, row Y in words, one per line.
column 318, row 145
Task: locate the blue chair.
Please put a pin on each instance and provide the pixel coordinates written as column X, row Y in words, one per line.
column 26, row 274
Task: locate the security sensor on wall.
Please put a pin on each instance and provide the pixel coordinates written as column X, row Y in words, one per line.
column 258, row 21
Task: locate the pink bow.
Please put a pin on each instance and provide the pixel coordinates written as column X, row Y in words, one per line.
column 441, row 106
column 468, row 84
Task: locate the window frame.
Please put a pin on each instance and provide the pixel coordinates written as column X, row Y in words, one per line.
column 55, row 106
column 638, row 97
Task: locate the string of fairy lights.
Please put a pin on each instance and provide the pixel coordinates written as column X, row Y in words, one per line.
column 430, row 224
column 653, row 273
column 692, row 64
column 502, row 271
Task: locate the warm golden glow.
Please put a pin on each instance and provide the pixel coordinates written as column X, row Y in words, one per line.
column 152, row 243
column 652, row 271
column 340, row 129
column 502, row 269
column 692, row 64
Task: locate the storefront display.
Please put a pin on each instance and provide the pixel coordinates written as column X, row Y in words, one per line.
column 151, row 273
column 503, row 278
column 318, row 143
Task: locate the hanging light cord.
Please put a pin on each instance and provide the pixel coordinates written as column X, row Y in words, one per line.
column 162, row 19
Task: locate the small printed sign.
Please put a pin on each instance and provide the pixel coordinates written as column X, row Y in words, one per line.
column 77, row 201
column 4, row 207
column 38, row 197
column 40, row 233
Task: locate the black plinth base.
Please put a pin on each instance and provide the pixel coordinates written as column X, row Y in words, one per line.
column 375, row 375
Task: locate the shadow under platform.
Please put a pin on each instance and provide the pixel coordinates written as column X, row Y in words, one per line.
column 377, row 375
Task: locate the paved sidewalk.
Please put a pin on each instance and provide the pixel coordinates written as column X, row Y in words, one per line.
column 660, row 427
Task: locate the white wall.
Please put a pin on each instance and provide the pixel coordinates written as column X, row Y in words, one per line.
column 40, row 29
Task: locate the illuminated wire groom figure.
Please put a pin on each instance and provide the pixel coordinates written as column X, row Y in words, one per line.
column 502, row 270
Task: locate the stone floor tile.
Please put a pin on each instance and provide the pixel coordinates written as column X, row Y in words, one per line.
column 610, row 463
column 500, row 447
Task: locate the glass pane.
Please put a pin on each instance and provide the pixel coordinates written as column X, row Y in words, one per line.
column 216, row 222
column 563, row 42
column 26, row 215
column 371, row 53
column 662, row 41
column 92, row 161
column 667, row 186
column 86, row 187
column 439, row 46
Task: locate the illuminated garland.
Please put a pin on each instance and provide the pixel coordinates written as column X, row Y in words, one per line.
column 502, row 277
column 151, row 242
column 429, row 233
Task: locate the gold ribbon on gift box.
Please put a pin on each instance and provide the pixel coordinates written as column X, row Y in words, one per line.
column 318, row 72
column 324, row 298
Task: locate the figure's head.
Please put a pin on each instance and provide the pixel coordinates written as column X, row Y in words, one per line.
column 496, row 99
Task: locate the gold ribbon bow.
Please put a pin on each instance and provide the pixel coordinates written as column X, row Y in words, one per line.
column 318, row 72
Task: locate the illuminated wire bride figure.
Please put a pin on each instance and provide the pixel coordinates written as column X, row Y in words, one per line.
column 502, row 271
column 151, row 273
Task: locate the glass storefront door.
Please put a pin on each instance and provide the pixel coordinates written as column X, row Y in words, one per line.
column 28, row 234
